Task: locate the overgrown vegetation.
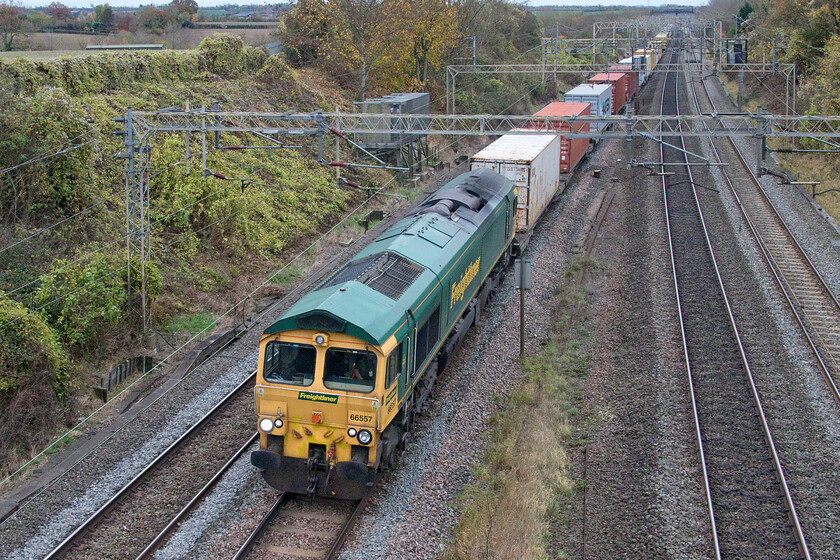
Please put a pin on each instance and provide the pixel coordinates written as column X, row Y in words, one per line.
column 34, row 380
column 67, row 286
column 525, row 476
column 807, row 34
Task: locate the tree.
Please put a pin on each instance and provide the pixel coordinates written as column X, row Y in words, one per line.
column 155, row 20
column 434, row 30
column 12, row 24
column 103, row 18
column 184, row 11
column 306, row 30
column 367, row 29
column 58, row 11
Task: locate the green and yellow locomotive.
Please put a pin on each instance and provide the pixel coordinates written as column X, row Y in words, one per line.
column 342, row 373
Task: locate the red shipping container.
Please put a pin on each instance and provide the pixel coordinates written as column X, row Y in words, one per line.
column 571, row 149
column 618, row 81
column 632, row 78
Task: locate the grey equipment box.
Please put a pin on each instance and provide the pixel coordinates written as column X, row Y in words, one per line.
column 394, row 105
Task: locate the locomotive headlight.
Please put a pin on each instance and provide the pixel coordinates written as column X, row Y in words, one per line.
column 278, row 423
column 365, row 437
column 266, row 425
column 351, row 432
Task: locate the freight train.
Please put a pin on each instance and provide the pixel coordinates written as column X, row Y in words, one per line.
column 344, row 371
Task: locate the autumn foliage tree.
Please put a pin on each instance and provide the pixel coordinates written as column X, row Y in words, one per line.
column 58, row 11
column 12, row 24
column 433, row 25
column 400, row 40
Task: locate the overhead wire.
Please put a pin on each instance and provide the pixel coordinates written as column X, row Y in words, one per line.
column 60, row 222
column 47, row 155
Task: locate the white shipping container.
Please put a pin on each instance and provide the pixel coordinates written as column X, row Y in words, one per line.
column 640, row 62
column 599, row 97
column 530, row 161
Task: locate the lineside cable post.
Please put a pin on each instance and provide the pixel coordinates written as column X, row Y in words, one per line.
column 522, row 274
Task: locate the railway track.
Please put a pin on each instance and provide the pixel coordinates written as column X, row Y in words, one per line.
column 299, row 527
column 114, row 530
column 816, row 309
column 751, row 512
column 138, row 519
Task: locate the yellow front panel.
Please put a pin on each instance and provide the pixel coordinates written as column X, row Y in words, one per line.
column 333, row 408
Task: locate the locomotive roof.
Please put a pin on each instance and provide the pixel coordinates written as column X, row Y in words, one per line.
column 369, row 296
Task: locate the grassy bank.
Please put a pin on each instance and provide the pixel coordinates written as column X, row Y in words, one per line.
column 524, row 479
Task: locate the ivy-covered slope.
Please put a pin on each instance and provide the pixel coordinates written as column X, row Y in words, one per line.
column 63, row 291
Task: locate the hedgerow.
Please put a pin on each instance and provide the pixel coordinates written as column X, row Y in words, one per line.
column 34, row 380
column 222, row 54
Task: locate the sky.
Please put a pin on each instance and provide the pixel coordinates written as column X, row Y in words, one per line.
column 206, row 3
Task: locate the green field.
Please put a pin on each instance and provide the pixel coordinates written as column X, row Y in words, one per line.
column 40, row 55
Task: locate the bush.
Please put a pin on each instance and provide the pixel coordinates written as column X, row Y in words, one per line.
column 30, row 351
column 84, row 300
column 34, row 379
column 287, row 195
column 59, row 185
column 227, row 56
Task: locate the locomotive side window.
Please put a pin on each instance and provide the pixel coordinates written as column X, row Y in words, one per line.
column 427, row 336
column 397, row 363
column 350, row 370
column 292, row 364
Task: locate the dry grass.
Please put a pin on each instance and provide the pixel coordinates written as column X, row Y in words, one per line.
column 525, row 475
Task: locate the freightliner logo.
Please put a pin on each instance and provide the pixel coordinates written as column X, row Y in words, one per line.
column 317, row 397
column 459, row 287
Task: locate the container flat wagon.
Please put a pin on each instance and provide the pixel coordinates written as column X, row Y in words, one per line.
column 572, row 150
column 530, row 161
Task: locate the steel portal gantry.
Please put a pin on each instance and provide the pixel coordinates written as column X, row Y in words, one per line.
column 140, row 128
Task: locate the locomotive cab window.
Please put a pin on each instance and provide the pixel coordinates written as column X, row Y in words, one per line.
column 292, row 364
column 350, row 370
column 397, row 363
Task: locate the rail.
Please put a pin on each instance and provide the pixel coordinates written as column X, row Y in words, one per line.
column 135, row 482
column 789, row 288
column 200, row 495
column 779, row 470
column 266, row 524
